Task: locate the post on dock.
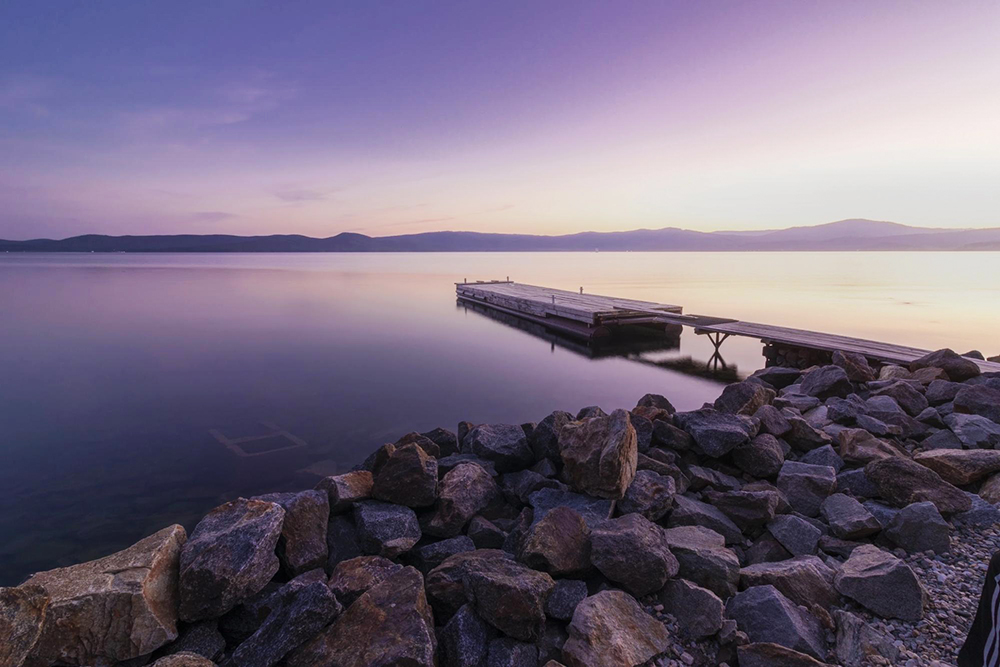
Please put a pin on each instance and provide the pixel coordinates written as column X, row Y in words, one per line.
column 581, row 290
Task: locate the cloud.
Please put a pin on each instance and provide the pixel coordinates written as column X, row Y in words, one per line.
column 294, row 195
column 25, row 94
column 213, row 216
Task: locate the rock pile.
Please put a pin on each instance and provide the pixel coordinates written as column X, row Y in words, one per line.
column 806, row 518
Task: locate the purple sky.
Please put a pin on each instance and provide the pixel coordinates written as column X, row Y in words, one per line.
column 543, row 117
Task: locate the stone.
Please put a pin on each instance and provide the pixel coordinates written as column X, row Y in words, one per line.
column 466, row 490
column 464, row 640
column 691, row 512
column 974, row 431
column 747, row 509
column 860, row 447
column 184, row 659
column 883, row 513
column 902, row 482
column 825, row 382
column 345, row 490
column 558, row 544
column 599, row 454
column 942, row 391
column 766, row 615
column 927, row 375
column 744, row 398
column 760, row 457
column 503, row 444
column 716, row 433
column 229, row 557
column 593, row 510
column 518, row 533
column 990, row 489
column 859, row 643
column 111, row 609
column 847, row 518
column 351, row 578
column 302, row 544
column 655, row 401
column 385, row 529
column 982, row 514
column 881, row 583
column 772, row 421
column 633, row 551
column 893, row 372
column 798, row 402
column 943, row 439
column 958, row 368
column 919, row 527
column 422, row 441
column 803, row 579
column 448, row 463
column 837, row 547
column 446, row 582
column 590, row 412
column 824, row 456
column 649, row 494
column 341, row 540
column 703, row 558
column 485, row 534
column 778, row 377
column 544, row 440
column 846, row 410
column 518, row 486
column 22, row 616
column 564, row 598
column 795, row 534
column 643, row 431
column 803, row 436
column 855, row 365
column 699, row 611
column 668, row 436
column 408, row 477
column 806, row 486
column 767, row 654
column 765, row 549
column 390, row 624
column 854, row 482
column 299, row 610
column 446, row 441
column 425, row 558
column 610, row 629
column 912, row 401
column 507, row 652
column 960, row 467
column 202, row 638
column 509, row 596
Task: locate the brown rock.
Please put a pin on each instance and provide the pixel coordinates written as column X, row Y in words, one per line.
column 558, row 544
column 859, row 446
column 960, row 466
column 990, row 490
column 408, row 477
column 958, row 368
column 855, row 365
column 22, row 614
column 345, row 489
column 509, row 596
column 766, row 654
column 633, row 551
column 115, row 608
column 902, row 482
column 184, row 659
column 804, row 580
column 351, row 578
column 446, row 582
column 302, row 545
column 610, row 629
column 600, row 454
column 466, row 490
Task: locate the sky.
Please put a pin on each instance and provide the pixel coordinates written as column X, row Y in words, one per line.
column 547, row 117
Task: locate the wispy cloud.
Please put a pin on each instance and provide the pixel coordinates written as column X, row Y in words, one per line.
column 298, row 195
column 25, row 94
column 213, row 216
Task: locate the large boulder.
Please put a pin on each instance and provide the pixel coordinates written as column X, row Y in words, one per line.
column 691, row 512
column 979, row 399
column 806, row 486
column 558, row 544
column 744, row 398
column 859, row 643
column 749, row 509
column 859, row 446
column 229, row 557
column 593, row 510
column 825, row 382
column 503, row 444
column 390, row 624
column 919, row 527
column 509, row 596
column 768, row 616
column 699, row 611
column 465, row 490
column 599, row 454
column 633, row 551
column 464, row 640
column 650, row 494
column 111, row 609
column 855, row 365
column 610, row 629
column 761, row 457
column 847, row 518
column 302, row 545
column 351, row 578
column 345, row 490
column 544, row 440
column 960, row 466
column 902, row 392
column 958, row 368
column 804, row 580
column 881, row 583
column 716, row 433
column 385, row 529
column 446, row 582
column 974, row 431
column 795, row 534
column 408, row 477
column 902, row 482
column 703, row 558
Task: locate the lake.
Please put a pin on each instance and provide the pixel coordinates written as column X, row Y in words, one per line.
column 122, row 377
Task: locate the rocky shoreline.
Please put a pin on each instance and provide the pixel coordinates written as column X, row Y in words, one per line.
column 841, row 514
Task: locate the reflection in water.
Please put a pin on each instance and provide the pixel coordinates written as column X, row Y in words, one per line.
column 116, row 368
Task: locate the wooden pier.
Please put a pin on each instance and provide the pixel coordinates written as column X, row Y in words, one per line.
column 591, row 317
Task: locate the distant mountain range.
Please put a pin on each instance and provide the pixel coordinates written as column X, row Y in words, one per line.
column 843, row 235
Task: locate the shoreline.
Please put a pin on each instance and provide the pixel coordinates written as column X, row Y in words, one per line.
column 842, row 514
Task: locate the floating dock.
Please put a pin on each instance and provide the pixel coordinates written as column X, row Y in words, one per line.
column 593, row 317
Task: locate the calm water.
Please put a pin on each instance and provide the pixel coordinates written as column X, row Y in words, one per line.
column 115, row 369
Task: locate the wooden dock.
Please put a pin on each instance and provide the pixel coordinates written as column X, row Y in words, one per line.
column 591, row 316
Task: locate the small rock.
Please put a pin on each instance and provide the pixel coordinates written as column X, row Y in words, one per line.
column 795, row 534
column 760, row 457
column 703, row 559
column 825, row 382
column 650, row 494
column 503, row 444
column 919, row 527
column 345, row 490
column 465, row 490
column 429, row 556
column 558, row 544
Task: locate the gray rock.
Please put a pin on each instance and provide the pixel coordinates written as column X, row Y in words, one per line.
column 633, row 551
column 981, row 514
column 858, row 642
column 485, row 534
column 932, row 417
column 590, row 412
column 610, row 629
column 385, row 529
column 649, row 494
column 835, row 546
column 748, row 509
column 859, row 446
column 974, row 431
column 826, row 381
column 882, row 513
column 943, row 439
column 700, row 477
column 699, row 611
column 772, row 421
column 797, row 402
column 847, row 518
column 716, row 433
column 341, row 540
column 656, row 401
column 855, row 365
column 744, row 398
column 446, row 582
column 803, row 436
column 670, row 437
column 229, row 557
column 448, row 463
column 507, row 652
column 703, row 559
column 302, row 545
column 958, row 368
column 503, row 444
column 768, row 654
column 509, row 596
column 765, row 549
column 429, row 556
column 902, row 482
column 464, row 640
column 352, row 578
column 778, row 377
column 908, row 398
column 768, row 616
column 643, row 431
column 202, row 638
column 942, row 391
column 806, row 486
column 691, row 512
column 855, row 483
column 446, row 441
column 824, row 456
column 846, row 410
column 564, row 598
column 795, row 534
column 881, row 583
column 344, row 490
column 465, row 490
column 544, row 440
column 559, row 544
column 760, row 457
column 599, row 454
column 593, row 510
column 805, row 580
column 919, row 527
